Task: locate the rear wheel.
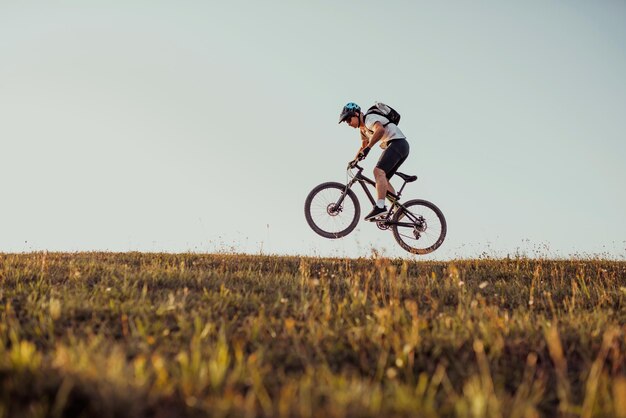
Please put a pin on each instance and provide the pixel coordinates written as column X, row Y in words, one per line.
column 331, row 210
column 421, row 227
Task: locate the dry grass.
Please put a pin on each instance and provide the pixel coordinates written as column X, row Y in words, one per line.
column 159, row 335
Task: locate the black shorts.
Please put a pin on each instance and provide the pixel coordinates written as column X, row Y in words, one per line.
column 393, row 157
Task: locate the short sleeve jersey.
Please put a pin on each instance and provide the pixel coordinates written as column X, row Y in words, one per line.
column 391, row 130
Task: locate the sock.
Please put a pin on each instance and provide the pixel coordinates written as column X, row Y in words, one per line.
column 380, row 203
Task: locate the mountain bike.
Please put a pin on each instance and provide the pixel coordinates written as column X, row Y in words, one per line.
column 332, row 210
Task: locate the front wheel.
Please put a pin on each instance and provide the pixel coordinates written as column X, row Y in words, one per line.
column 331, row 210
column 419, row 227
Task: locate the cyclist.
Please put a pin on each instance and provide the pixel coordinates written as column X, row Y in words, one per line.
column 375, row 128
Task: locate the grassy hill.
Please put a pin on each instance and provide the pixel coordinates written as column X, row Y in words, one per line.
column 162, row 335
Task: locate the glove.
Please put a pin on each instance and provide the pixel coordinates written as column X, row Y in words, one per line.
column 363, row 153
column 352, row 164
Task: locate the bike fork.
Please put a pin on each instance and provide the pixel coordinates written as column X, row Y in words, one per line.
column 345, row 193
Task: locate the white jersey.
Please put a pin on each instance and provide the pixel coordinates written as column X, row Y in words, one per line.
column 391, row 130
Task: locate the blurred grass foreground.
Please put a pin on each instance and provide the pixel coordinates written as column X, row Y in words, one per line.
column 164, row 335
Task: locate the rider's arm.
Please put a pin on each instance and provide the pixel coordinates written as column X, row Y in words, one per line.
column 364, row 141
column 379, row 130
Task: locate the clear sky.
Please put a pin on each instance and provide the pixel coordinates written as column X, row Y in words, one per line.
column 202, row 125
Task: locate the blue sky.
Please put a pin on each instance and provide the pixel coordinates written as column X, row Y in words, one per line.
column 161, row 126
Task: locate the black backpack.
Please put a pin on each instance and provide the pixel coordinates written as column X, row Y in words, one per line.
column 385, row 111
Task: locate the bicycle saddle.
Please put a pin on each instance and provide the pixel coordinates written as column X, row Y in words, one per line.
column 406, row 177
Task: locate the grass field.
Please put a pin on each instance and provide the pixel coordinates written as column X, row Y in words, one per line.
column 161, row 335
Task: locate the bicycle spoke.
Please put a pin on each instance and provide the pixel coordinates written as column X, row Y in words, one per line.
column 325, row 216
column 422, row 228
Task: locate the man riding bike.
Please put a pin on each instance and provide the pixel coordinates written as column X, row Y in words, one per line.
column 374, row 128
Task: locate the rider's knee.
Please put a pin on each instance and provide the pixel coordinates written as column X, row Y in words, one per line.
column 378, row 172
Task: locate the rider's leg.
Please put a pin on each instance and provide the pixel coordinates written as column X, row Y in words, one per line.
column 381, row 188
column 382, row 183
column 397, row 153
column 387, row 165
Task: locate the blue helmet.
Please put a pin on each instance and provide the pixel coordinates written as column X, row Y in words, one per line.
column 348, row 111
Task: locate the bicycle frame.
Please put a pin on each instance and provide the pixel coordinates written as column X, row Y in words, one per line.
column 332, row 209
column 394, row 199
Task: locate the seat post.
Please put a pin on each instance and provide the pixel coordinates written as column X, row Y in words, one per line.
column 401, row 188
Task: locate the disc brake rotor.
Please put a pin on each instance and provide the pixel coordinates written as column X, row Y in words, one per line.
column 333, row 210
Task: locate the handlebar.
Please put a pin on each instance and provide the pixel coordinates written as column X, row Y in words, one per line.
column 354, row 164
